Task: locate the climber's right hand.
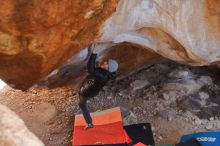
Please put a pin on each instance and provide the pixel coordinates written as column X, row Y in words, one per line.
column 94, row 48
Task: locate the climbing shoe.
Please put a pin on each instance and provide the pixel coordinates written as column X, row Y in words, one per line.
column 89, row 126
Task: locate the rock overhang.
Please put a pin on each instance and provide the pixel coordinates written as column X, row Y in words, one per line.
column 33, row 45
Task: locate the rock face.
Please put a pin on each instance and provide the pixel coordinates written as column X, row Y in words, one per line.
column 13, row 131
column 38, row 37
column 184, row 31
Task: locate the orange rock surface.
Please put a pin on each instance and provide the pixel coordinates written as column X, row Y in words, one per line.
column 39, row 36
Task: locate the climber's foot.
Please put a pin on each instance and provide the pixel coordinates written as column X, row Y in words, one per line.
column 89, row 126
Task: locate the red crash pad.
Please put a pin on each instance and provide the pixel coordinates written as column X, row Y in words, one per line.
column 108, row 129
column 139, row 144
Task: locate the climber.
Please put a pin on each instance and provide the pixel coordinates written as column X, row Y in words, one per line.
column 94, row 82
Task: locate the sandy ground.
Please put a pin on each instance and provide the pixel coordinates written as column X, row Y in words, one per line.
column 49, row 113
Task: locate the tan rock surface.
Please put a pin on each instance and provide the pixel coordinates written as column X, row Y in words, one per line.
column 184, row 31
column 13, row 131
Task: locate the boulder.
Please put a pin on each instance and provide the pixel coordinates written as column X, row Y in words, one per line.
column 139, row 84
column 206, row 80
column 37, row 37
column 13, row 131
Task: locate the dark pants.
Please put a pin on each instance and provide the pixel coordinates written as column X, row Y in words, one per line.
column 85, row 111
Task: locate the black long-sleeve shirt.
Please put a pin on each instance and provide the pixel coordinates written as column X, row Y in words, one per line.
column 96, row 79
